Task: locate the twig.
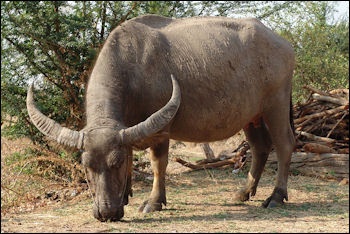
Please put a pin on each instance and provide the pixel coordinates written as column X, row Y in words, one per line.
column 330, row 132
column 5, row 187
column 18, row 174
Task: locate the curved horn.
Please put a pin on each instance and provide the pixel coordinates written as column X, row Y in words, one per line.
column 51, row 128
column 156, row 121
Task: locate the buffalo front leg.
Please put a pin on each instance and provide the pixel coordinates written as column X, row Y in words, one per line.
column 260, row 145
column 159, row 162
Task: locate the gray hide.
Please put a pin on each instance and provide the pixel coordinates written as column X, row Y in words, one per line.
column 228, row 74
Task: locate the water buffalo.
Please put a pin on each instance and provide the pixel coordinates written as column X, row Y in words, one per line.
column 197, row 79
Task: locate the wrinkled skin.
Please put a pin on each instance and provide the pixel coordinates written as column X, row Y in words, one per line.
column 197, row 79
column 109, row 177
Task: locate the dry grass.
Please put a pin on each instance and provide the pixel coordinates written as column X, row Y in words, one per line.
column 201, row 202
column 29, row 173
column 198, row 201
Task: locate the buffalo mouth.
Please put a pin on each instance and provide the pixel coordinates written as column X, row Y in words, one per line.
column 108, row 214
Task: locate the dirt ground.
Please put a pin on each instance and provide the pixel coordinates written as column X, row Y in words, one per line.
column 198, row 201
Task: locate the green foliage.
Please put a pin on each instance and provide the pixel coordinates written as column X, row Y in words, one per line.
column 37, row 43
column 322, row 50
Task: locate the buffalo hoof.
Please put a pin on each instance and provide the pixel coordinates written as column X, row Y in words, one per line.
column 241, row 195
column 270, row 203
column 276, row 199
column 148, row 207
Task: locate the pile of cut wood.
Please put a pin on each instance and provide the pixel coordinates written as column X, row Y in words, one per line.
column 322, row 134
column 322, row 122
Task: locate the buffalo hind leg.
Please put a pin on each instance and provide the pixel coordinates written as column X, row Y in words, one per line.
column 283, row 139
column 260, row 145
column 159, row 162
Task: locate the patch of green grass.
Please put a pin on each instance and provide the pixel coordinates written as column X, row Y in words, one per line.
column 17, row 161
column 305, row 206
column 282, row 211
column 310, row 187
column 338, row 197
column 20, row 156
column 222, row 215
column 295, row 172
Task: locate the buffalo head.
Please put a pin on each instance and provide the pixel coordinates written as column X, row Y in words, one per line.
column 107, row 155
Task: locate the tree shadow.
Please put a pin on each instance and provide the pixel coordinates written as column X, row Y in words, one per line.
column 288, row 210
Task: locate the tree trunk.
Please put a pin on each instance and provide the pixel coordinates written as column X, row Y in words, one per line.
column 209, row 154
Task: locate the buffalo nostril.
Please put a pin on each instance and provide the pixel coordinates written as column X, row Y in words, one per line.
column 105, row 214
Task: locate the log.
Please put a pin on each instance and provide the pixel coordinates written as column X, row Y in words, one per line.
column 327, row 166
column 314, row 137
column 320, row 114
column 305, row 109
column 338, row 101
column 340, row 93
column 314, row 90
column 310, row 127
column 318, row 148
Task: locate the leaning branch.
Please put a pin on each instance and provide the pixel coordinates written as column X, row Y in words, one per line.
column 314, row 90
